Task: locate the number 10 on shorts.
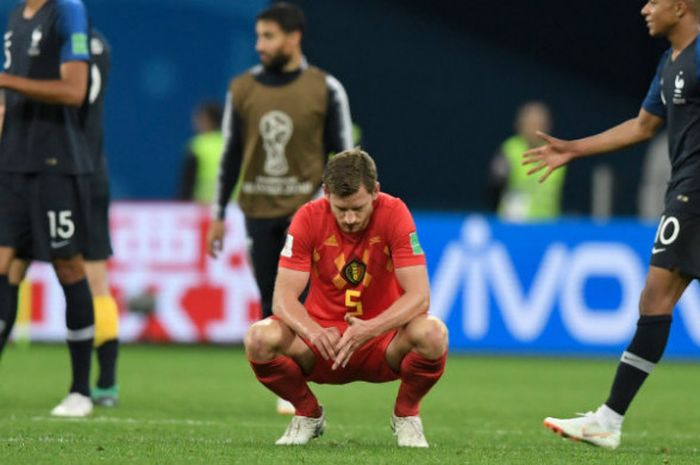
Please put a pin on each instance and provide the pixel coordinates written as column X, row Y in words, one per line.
column 353, row 302
column 61, row 224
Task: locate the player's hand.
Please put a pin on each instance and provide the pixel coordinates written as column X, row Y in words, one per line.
column 215, row 238
column 554, row 154
column 359, row 332
column 325, row 340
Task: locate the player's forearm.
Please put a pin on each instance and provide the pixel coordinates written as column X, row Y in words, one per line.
column 403, row 310
column 294, row 314
column 231, row 160
column 623, row 135
column 56, row 91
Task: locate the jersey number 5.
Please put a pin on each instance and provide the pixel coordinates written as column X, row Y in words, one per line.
column 353, row 302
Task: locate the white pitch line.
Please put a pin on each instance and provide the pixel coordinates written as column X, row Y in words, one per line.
column 136, row 421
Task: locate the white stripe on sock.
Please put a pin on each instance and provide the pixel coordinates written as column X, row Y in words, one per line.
column 2, row 326
column 80, row 334
column 638, row 362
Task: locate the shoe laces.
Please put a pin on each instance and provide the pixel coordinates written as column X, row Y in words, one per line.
column 409, row 425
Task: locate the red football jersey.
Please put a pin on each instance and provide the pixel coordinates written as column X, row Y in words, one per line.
column 351, row 273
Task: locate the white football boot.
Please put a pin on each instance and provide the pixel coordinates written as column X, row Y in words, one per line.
column 74, row 405
column 408, row 431
column 284, row 407
column 301, row 430
column 587, row 427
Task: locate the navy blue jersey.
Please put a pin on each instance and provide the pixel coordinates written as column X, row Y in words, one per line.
column 674, row 95
column 37, row 136
column 99, row 74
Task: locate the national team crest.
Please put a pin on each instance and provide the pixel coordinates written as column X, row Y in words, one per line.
column 37, row 35
column 354, row 272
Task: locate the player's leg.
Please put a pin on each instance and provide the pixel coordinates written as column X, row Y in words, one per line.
column 106, row 343
column 18, row 270
column 267, row 238
column 603, row 427
column 80, row 321
column 15, row 228
column 58, row 232
column 98, row 250
column 418, row 353
column 279, row 359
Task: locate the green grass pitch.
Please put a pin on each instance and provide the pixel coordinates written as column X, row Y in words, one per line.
column 202, row 405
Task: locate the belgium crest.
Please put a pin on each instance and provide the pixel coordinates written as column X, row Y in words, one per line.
column 354, row 272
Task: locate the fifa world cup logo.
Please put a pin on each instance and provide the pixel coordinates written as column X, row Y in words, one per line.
column 276, row 129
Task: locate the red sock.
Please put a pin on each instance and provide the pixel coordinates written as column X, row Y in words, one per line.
column 284, row 377
column 418, row 375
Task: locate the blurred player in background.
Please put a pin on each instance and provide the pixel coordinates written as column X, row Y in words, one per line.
column 365, row 318
column 674, row 95
column 45, row 165
column 515, row 195
column 203, row 158
column 281, row 120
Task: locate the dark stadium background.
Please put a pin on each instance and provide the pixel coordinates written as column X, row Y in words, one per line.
column 433, row 84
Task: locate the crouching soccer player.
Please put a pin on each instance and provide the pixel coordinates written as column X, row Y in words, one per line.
column 365, row 315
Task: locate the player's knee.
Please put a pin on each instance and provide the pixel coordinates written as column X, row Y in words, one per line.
column 69, row 271
column 262, row 340
column 431, row 338
column 18, row 270
column 655, row 301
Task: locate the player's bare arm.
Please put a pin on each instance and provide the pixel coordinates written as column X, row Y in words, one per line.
column 557, row 152
column 286, row 306
column 69, row 90
column 415, row 301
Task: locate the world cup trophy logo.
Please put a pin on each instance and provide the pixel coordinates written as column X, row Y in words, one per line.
column 276, row 129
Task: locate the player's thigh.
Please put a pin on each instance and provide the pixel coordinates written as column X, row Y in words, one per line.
column 58, row 208
column 15, row 224
column 675, row 259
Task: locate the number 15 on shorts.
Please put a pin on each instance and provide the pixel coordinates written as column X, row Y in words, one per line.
column 61, row 225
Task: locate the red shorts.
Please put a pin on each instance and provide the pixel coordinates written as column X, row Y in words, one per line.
column 368, row 363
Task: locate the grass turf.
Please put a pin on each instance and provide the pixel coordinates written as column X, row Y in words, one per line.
column 202, row 405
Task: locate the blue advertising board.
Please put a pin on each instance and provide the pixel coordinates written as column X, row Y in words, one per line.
column 569, row 287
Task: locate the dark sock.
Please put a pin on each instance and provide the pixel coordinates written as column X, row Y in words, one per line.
column 107, row 358
column 643, row 353
column 80, row 320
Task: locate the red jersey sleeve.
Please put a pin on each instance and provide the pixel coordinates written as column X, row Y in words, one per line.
column 403, row 238
column 298, row 247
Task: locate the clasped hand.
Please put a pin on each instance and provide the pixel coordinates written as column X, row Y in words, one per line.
column 339, row 348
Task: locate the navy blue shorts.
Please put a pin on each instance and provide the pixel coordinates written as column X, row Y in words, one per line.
column 43, row 216
column 677, row 243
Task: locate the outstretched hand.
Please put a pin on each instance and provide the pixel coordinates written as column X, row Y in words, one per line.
column 551, row 156
column 357, row 333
